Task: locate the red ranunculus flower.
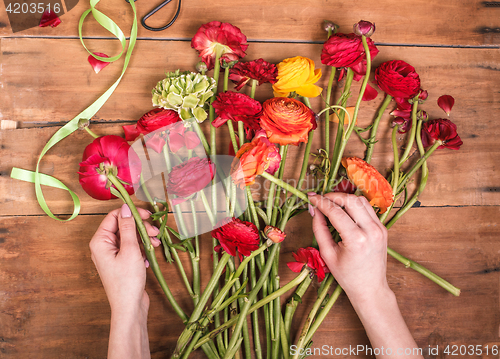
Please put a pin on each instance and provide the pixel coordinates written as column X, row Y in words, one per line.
column 237, row 235
column 151, row 121
column 286, row 120
column 397, row 79
column 236, row 106
column 312, row 258
column 219, row 35
column 253, row 158
column 189, row 177
column 441, row 129
column 108, row 154
column 259, row 70
column 346, row 50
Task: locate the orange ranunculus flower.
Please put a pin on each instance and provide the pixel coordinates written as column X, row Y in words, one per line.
column 286, row 120
column 371, row 183
column 297, row 74
column 253, row 159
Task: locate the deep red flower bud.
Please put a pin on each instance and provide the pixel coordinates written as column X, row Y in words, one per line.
column 403, row 123
column 422, row 96
column 398, row 79
column 446, row 103
column 443, row 130
column 189, row 177
column 422, row 115
column 364, row 28
column 310, row 257
column 345, row 186
column 236, row 235
column 274, row 234
column 108, row 155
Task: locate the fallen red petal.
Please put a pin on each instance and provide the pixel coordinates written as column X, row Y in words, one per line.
column 98, row 65
column 49, row 18
column 370, row 93
column 446, row 102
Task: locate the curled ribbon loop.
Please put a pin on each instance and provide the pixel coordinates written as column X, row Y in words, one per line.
column 39, row 178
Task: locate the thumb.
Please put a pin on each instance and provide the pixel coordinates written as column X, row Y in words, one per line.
column 128, row 234
column 327, row 246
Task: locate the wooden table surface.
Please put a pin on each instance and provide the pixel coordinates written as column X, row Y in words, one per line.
column 52, row 304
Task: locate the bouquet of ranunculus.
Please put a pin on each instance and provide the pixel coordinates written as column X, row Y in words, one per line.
column 211, row 192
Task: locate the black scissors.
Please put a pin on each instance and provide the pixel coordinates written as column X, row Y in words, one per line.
column 156, row 9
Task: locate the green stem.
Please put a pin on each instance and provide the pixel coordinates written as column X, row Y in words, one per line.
column 251, row 297
column 232, row 135
column 418, row 164
column 337, row 153
column 148, row 247
column 292, row 305
column 373, row 132
column 255, row 314
column 312, row 314
column 411, row 137
column 327, row 112
column 294, row 282
column 272, row 209
column 396, row 161
column 251, row 206
column 202, row 137
column 286, row 186
column 195, row 260
column 322, row 315
column 90, row 132
column 425, row 272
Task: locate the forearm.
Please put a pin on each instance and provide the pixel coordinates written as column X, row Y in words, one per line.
column 128, row 337
column 385, row 326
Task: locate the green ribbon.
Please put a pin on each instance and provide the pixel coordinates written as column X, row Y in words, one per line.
column 39, row 178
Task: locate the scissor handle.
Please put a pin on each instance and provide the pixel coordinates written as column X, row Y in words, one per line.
column 152, row 12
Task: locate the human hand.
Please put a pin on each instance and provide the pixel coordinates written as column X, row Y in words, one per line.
column 359, row 261
column 116, row 252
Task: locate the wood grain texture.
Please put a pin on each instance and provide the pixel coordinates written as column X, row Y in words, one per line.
column 52, row 304
column 408, row 22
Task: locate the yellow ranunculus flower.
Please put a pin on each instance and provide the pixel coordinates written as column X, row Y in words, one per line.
column 297, row 74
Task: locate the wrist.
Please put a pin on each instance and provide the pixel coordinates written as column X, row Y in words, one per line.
column 372, row 299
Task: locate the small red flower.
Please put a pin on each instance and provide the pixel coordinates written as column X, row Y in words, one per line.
column 346, row 50
column 108, row 154
column 236, row 235
column 446, row 103
column 151, row 121
column 310, row 257
column 443, row 130
column 189, row 177
column 49, row 18
column 345, row 186
column 236, row 106
column 96, row 64
column 259, row 70
column 220, row 36
column 397, row 79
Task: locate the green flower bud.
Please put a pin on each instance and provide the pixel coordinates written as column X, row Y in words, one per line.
column 184, row 92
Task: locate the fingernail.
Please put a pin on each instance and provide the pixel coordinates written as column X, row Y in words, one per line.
column 126, row 213
column 310, row 209
column 150, row 213
column 311, row 193
column 157, row 229
column 146, row 262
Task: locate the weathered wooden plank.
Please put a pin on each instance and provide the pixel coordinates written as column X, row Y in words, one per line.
column 409, row 22
column 53, row 304
column 449, row 184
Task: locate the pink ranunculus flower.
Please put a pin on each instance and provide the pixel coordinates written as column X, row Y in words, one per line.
column 189, row 177
column 219, row 36
column 108, row 154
